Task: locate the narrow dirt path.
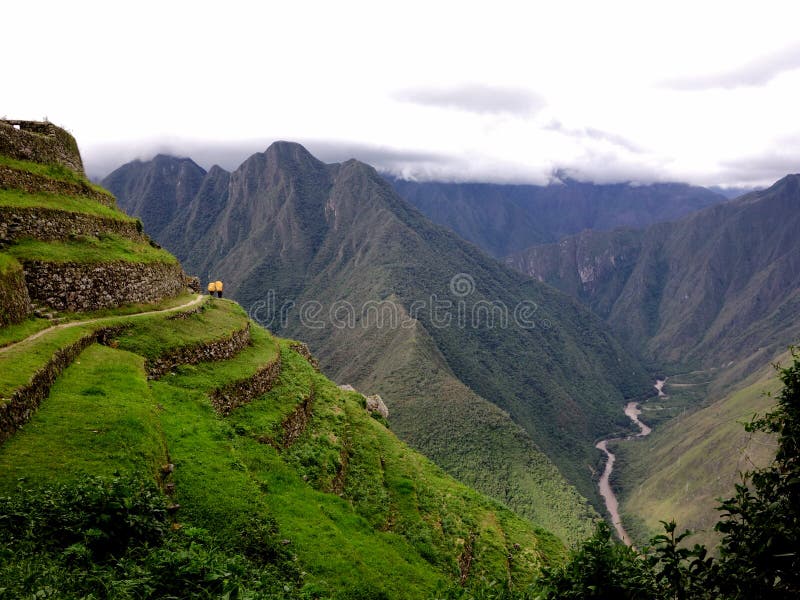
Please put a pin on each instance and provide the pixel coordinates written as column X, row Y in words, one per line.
column 197, row 300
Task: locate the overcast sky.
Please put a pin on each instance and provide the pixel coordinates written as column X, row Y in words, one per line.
column 705, row 92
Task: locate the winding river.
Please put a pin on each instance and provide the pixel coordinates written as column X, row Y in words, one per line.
column 632, row 411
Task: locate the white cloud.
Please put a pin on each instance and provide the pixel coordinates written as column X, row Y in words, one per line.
column 500, row 91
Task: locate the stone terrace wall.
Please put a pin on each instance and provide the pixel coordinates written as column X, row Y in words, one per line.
column 50, row 224
column 302, row 349
column 79, row 287
column 17, row 410
column 214, row 350
column 15, row 304
column 39, row 142
column 13, row 179
column 241, row 392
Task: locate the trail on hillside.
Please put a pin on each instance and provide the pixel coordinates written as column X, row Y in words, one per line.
column 632, row 411
column 38, row 334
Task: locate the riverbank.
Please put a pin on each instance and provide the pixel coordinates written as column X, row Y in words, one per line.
column 632, row 411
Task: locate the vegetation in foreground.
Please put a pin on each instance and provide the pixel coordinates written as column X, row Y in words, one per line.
column 759, row 555
column 337, row 509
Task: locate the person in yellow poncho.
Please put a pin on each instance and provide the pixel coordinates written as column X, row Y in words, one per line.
column 215, row 286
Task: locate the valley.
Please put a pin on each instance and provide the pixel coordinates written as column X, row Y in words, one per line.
column 632, row 411
column 496, row 379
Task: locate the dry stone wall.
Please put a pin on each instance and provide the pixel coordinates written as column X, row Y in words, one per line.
column 13, row 179
column 17, row 410
column 215, row 350
column 295, row 424
column 80, row 287
column 39, row 142
column 49, row 224
column 15, row 303
column 302, row 350
column 241, row 392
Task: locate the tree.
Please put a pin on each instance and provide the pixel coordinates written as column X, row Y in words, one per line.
column 761, row 523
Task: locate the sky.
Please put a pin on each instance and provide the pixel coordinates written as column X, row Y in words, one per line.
column 703, row 92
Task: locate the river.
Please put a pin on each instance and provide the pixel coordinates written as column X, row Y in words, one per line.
column 632, row 411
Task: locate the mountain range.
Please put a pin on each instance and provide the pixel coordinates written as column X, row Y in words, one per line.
column 504, row 219
column 719, row 285
column 699, row 287
column 491, row 374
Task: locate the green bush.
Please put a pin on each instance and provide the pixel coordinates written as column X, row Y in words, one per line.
column 113, row 538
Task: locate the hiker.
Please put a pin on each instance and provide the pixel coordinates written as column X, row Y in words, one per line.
column 218, row 287
column 211, row 288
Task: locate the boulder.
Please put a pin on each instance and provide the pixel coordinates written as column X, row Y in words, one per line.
column 375, row 404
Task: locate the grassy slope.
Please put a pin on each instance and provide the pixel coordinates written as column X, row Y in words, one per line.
column 16, row 332
column 20, row 199
column 466, row 435
column 8, row 263
column 152, row 338
column 682, row 468
column 100, row 417
column 88, row 250
column 393, row 522
column 54, row 171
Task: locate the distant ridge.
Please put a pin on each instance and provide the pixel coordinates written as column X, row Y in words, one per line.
column 504, row 218
column 719, row 285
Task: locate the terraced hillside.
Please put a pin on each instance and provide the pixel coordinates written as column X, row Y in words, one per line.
column 162, row 444
column 66, row 247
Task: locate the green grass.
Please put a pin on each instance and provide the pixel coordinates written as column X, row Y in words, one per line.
column 361, row 511
column 51, row 171
column 21, row 199
column 398, row 524
column 18, row 366
column 212, row 375
column 100, row 418
column 8, row 263
column 11, row 334
column 89, row 250
column 154, row 336
column 132, row 309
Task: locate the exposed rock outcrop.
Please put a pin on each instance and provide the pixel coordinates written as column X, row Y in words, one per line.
column 375, row 404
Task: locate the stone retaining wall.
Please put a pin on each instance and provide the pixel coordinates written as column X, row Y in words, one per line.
column 216, row 350
column 15, row 304
column 295, row 424
column 302, row 350
column 50, row 224
column 241, row 392
column 17, row 410
column 13, row 179
column 40, row 142
column 80, row 287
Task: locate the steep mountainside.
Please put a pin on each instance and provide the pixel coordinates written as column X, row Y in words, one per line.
column 720, row 285
column 503, row 219
column 156, row 443
column 681, row 470
column 479, row 364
